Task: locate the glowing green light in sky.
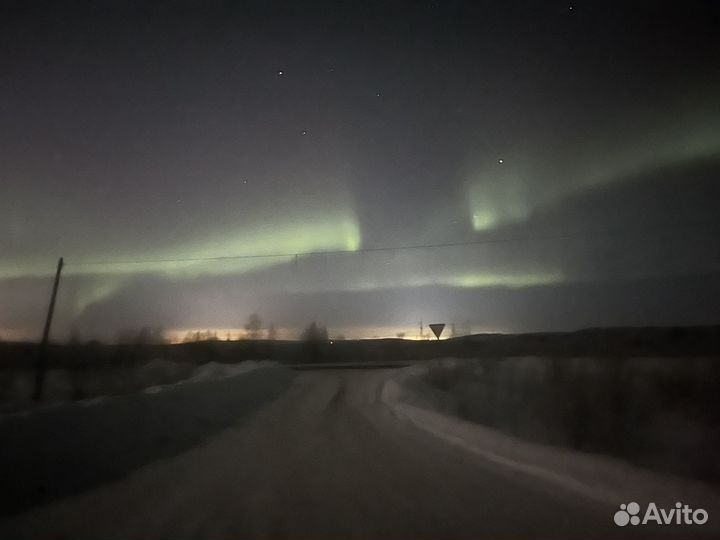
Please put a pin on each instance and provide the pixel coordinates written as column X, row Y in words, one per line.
column 516, row 281
column 331, row 231
column 499, row 190
column 470, row 280
column 498, row 197
column 98, row 290
column 484, row 220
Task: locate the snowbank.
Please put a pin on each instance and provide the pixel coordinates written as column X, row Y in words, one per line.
column 597, row 478
column 658, row 413
column 58, row 450
column 159, row 371
column 63, row 385
column 216, row 371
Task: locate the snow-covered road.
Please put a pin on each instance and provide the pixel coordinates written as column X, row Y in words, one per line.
column 330, row 458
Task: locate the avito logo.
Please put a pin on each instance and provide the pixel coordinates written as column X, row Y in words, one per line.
column 680, row 515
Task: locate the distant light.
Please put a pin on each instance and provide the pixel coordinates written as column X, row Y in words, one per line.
column 281, row 72
column 304, row 132
column 377, row 94
column 501, row 161
column 571, row 8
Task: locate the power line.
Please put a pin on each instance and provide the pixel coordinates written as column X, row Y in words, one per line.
column 485, row 241
column 314, row 253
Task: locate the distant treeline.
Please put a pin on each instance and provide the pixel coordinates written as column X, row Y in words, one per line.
column 600, row 342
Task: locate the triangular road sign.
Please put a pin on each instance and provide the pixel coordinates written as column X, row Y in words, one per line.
column 437, row 329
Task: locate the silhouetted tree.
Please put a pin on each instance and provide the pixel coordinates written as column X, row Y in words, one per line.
column 272, row 333
column 315, row 339
column 253, row 326
column 208, row 335
column 150, row 335
column 315, row 333
column 144, row 336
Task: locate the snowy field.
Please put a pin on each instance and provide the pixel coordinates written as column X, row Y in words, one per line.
column 412, row 395
column 63, row 385
column 344, row 454
column 660, row 413
column 58, row 449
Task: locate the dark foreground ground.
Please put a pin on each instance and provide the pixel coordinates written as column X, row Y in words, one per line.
column 330, row 459
column 315, row 452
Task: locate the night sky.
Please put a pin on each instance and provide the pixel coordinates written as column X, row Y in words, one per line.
column 539, row 165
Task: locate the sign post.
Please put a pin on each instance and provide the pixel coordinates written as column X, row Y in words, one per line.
column 437, row 329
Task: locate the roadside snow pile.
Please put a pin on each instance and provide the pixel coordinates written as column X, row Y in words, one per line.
column 413, row 385
column 431, row 396
column 159, row 371
column 63, row 385
column 58, row 450
column 657, row 412
column 215, row 371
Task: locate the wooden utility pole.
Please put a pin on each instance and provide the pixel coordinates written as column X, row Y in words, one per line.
column 42, row 353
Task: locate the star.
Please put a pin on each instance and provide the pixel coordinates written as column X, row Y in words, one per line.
column 281, row 73
column 377, row 94
column 501, row 161
column 304, row 132
column 244, row 181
